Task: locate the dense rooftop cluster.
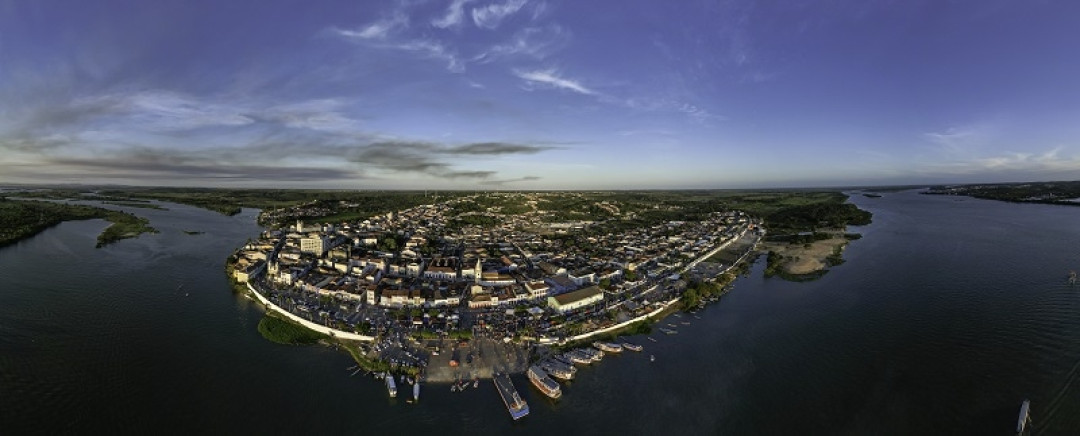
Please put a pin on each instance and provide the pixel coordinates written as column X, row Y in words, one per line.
column 476, row 252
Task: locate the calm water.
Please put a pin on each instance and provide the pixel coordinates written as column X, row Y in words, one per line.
column 948, row 313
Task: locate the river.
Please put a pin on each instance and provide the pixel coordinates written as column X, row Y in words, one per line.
column 949, row 312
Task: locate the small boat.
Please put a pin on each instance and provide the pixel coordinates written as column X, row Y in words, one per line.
column 685, row 323
column 668, row 331
column 1024, row 418
column 476, row 383
column 651, row 339
column 652, row 358
column 632, row 347
column 416, row 392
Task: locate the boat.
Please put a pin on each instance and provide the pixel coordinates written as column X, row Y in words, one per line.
column 476, row 383
column 563, row 358
column 668, row 331
column 685, row 323
column 651, row 339
column 545, row 384
column 558, row 370
column 416, row 392
column 652, row 358
column 1024, row 418
column 632, row 347
column 517, row 407
column 594, row 354
column 391, row 386
column 608, row 347
column 580, row 357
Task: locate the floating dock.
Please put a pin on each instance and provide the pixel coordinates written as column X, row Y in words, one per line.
column 517, row 407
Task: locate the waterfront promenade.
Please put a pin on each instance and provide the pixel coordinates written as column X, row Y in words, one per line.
column 308, row 324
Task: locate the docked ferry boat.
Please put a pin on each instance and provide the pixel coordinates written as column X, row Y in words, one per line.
column 580, row 357
column 545, row 384
column 608, row 347
column 594, row 354
column 391, row 386
column 558, row 370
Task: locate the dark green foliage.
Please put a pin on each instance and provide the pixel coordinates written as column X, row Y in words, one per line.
column 1038, row 192
column 22, row 219
column 773, row 263
column 284, row 332
column 819, row 215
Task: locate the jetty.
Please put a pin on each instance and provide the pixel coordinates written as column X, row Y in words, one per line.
column 517, row 407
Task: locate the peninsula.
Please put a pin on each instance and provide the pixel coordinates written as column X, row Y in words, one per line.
column 466, row 286
column 20, row 219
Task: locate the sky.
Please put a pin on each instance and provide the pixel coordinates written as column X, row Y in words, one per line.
column 538, row 94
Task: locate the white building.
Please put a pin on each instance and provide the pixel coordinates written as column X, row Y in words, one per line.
column 576, row 299
column 314, row 244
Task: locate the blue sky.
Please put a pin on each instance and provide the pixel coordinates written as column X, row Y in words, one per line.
column 538, row 94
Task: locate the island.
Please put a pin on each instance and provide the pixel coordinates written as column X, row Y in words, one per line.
column 20, row 219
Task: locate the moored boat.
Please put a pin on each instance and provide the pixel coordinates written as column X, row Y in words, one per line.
column 545, row 384
column 608, row 347
column 632, row 347
column 594, row 354
column 391, row 387
column 416, row 391
column 579, row 357
column 558, row 370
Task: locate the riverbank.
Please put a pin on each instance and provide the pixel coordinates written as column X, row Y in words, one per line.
column 806, row 258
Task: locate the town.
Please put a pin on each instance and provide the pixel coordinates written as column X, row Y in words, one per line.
column 470, row 287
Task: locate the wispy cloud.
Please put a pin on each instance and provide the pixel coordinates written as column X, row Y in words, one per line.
column 551, row 78
column 1029, row 164
column 496, row 148
column 961, row 139
column 490, row 16
column 308, row 140
column 163, row 110
column 455, row 14
column 508, row 181
column 321, row 115
column 534, row 42
column 380, row 29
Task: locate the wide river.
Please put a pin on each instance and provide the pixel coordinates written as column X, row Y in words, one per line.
column 947, row 315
